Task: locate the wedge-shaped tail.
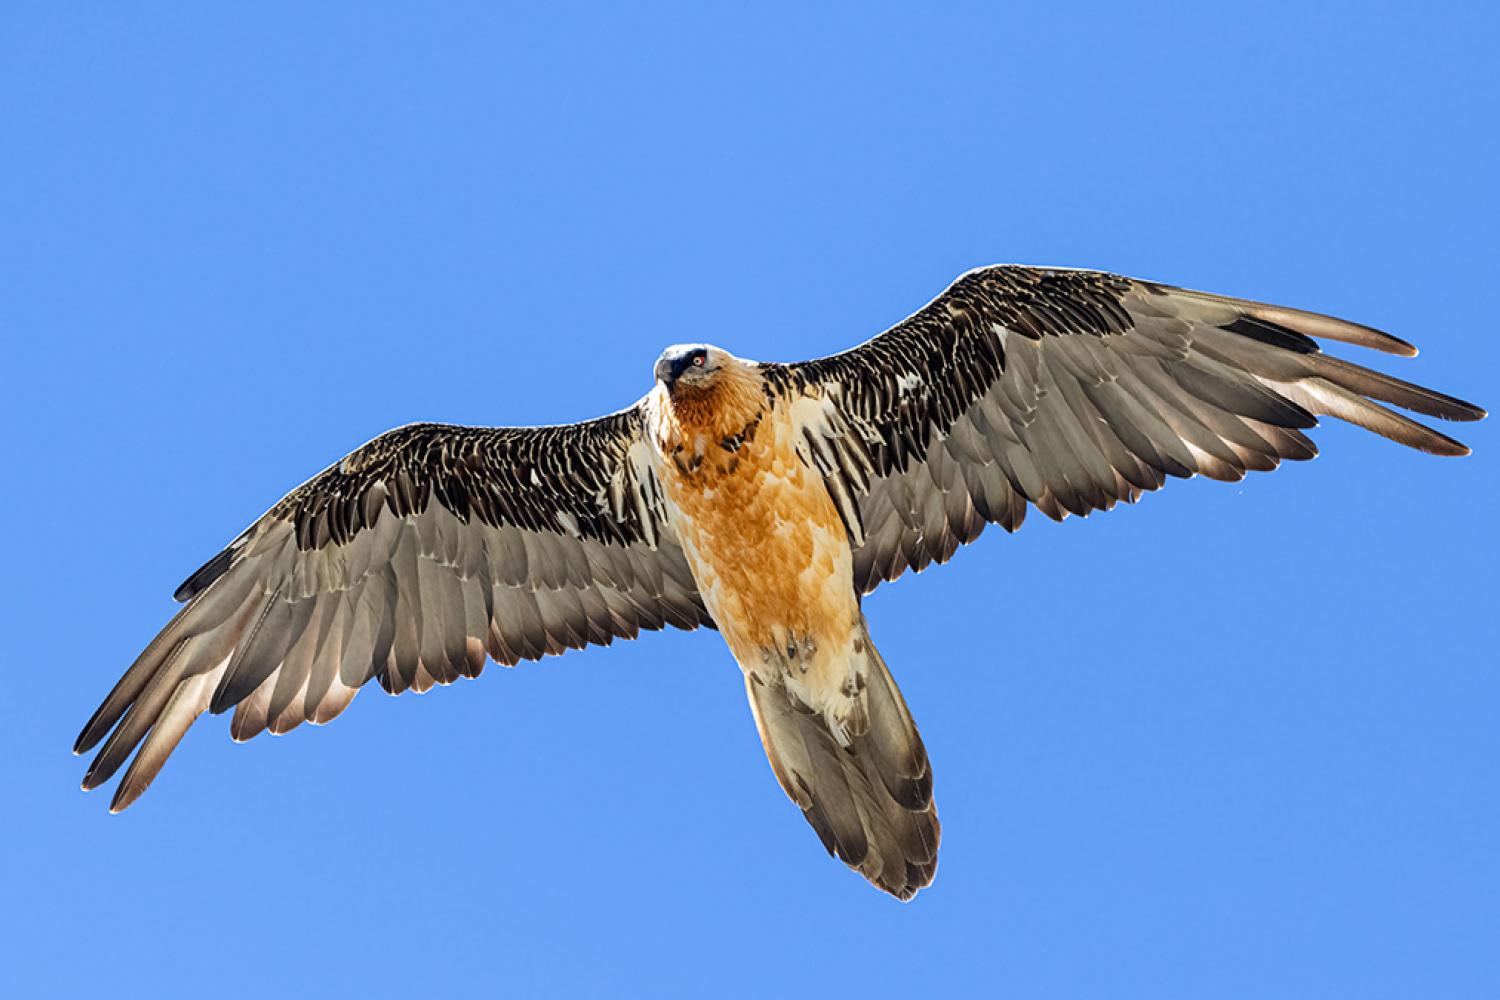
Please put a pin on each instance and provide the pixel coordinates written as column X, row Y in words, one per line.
column 870, row 802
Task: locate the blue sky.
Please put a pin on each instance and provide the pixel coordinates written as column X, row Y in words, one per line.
column 1239, row 740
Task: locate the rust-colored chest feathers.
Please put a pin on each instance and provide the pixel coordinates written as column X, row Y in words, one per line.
column 761, row 533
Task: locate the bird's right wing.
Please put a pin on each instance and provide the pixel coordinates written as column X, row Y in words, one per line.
column 407, row 562
column 1068, row 391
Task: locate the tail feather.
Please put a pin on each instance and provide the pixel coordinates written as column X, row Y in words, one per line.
column 870, row 802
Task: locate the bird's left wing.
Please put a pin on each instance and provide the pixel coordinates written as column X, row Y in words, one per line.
column 1071, row 390
column 407, row 562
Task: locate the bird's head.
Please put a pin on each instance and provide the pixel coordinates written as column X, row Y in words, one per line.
column 709, row 391
column 690, row 366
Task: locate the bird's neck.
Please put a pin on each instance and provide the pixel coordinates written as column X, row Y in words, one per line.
column 695, row 418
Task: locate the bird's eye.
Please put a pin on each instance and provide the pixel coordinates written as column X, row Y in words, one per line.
column 697, row 361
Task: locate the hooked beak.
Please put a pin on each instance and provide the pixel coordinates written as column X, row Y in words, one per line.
column 669, row 368
column 666, row 371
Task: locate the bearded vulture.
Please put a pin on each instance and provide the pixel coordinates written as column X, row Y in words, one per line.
column 761, row 499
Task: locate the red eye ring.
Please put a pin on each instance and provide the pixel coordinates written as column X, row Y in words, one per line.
column 698, row 361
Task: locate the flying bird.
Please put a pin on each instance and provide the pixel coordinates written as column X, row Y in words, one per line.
column 761, row 499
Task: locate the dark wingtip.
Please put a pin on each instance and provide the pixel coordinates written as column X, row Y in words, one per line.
column 1467, row 411
column 206, row 574
column 1443, row 445
column 1385, row 342
column 91, row 734
column 1450, row 448
column 1451, row 408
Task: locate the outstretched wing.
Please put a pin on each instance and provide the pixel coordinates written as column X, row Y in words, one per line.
column 407, row 562
column 1072, row 390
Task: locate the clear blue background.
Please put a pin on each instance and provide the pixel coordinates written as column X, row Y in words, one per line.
column 1236, row 741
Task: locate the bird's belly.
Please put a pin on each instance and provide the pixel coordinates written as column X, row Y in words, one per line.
column 771, row 557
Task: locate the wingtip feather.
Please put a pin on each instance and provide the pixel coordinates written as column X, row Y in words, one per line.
column 204, row 575
column 1332, row 328
column 125, row 797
